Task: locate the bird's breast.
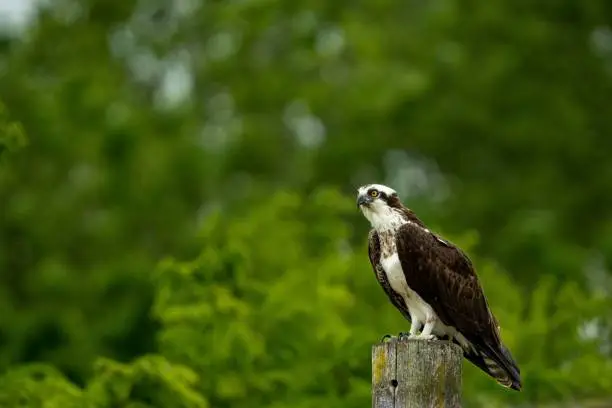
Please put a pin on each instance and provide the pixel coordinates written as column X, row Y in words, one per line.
column 395, row 274
column 387, row 243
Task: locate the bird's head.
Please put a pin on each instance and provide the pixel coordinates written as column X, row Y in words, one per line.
column 378, row 203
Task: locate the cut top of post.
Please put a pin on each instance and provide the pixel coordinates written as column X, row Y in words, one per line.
column 416, row 374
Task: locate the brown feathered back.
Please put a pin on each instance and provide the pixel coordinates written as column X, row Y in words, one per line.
column 444, row 277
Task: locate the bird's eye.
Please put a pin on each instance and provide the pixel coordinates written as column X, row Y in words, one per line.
column 374, row 193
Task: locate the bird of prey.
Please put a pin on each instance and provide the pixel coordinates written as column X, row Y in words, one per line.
column 433, row 284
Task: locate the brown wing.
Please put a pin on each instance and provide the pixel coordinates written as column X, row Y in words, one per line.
column 444, row 278
column 381, row 276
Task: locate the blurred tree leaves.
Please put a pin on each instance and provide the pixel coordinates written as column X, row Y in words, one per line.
column 252, row 320
column 150, row 381
column 209, row 133
column 39, row 386
column 12, row 136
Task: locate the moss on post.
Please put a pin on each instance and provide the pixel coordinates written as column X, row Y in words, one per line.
column 416, row 374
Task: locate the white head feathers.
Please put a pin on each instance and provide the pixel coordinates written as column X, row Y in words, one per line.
column 372, row 201
column 380, row 187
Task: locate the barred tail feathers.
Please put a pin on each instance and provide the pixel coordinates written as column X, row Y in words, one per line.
column 496, row 362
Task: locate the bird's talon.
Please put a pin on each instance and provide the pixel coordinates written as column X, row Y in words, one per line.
column 428, row 337
column 385, row 338
column 405, row 336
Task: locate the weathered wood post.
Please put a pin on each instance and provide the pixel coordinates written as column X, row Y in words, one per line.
column 416, row 374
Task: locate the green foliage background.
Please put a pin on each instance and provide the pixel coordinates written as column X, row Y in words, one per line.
column 177, row 187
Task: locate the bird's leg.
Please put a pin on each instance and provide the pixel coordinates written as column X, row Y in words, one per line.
column 414, row 328
column 426, row 333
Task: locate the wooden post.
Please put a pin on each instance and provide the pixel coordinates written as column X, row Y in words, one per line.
column 416, row 374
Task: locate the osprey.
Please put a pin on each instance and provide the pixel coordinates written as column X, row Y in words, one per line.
column 433, row 284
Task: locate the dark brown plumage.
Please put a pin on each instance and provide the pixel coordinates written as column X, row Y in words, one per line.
column 444, row 277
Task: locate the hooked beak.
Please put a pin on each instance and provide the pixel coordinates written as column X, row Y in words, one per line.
column 363, row 200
